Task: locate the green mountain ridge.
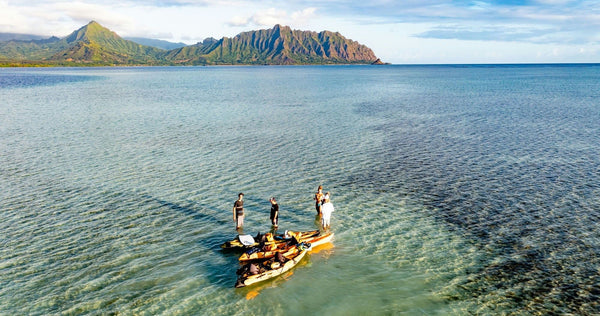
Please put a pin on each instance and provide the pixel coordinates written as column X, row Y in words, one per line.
column 94, row 44
column 166, row 45
column 20, row 36
column 278, row 46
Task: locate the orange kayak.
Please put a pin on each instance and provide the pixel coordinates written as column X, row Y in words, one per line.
column 268, row 252
column 257, row 272
column 247, row 241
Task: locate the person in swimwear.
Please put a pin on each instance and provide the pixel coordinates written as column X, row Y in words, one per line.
column 274, row 212
column 319, row 199
column 238, row 211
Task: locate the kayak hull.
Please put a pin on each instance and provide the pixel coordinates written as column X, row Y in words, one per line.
column 293, row 260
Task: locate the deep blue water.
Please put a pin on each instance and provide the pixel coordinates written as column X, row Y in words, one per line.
column 469, row 189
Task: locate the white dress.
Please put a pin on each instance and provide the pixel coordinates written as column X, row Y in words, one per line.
column 326, row 210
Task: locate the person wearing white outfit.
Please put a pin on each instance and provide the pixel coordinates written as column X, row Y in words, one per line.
column 326, row 210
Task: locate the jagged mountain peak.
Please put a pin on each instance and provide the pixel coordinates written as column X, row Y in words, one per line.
column 280, row 45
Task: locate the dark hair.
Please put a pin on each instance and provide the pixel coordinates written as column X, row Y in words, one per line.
column 240, row 194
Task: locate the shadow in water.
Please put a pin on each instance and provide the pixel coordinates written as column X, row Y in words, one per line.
column 210, row 241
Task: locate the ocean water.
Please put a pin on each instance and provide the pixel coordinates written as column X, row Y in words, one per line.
column 457, row 189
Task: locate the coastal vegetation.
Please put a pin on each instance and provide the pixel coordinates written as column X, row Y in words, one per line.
column 95, row 45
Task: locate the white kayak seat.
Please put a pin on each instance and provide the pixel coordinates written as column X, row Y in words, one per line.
column 246, row 240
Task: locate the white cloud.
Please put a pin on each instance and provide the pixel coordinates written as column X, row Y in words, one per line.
column 238, row 21
column 303, row 16
column 58, row 18
column 269, row 17
column 10, row 19
column 82, row 13
column 272, row 16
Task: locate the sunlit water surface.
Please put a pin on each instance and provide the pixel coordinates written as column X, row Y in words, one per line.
column 458, row 189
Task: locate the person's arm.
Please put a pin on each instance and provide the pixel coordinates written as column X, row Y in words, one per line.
column 234, row 212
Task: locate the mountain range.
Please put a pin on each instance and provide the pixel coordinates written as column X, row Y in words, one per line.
column 95, row 45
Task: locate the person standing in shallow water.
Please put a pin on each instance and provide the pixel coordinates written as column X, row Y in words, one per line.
column 274, row 212
column 238, row 211
column 319, row 199
column 326, row 210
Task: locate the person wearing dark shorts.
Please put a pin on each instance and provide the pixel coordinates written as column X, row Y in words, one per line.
column 238, row 211
column 319, row 199
column 274, row 212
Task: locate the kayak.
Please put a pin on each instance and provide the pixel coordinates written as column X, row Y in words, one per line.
column 269, row 251
column 252, row 273
column 320, row 240
column 247, row 241
column 237, row 242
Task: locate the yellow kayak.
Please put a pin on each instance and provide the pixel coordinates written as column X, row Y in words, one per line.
column 257, row 272
column 247, row 241
column 269, row 251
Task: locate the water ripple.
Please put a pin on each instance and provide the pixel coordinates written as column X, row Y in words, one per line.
column 458, row 190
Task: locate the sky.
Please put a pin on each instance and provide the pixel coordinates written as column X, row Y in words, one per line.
column 398, row 32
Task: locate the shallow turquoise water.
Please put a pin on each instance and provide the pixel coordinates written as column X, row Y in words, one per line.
column 457, row 189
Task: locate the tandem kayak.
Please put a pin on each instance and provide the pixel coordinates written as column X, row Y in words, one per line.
column 269, row 251
column 247, row 241
column 252, row 273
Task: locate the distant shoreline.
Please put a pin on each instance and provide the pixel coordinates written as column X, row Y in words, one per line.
column 78, row 65
column 8, row 64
